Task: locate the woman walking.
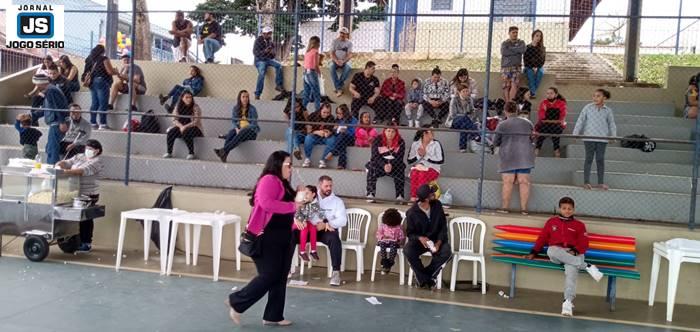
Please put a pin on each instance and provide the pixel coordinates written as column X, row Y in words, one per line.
column 271, row 221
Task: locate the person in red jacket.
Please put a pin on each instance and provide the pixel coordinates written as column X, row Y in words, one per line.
column 567, row 243
column 551, row 119
column 391, row 99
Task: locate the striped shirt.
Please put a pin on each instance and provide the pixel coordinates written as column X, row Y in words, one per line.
column 595, row 121
column 91, row 170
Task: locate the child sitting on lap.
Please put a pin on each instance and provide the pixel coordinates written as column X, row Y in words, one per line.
column 390, row 236
column 305, row 220
column 567, row 240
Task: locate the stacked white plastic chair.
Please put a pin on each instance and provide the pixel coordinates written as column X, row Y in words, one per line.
column 465, row 237
column 676, row 251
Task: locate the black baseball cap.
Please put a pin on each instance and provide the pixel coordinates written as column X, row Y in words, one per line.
column 424, row 191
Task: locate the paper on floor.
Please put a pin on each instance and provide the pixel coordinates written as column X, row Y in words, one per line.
column 298, row 283
column 373, row 300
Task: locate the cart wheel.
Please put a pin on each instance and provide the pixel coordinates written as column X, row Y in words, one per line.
column 36, row 248
column 69, row 244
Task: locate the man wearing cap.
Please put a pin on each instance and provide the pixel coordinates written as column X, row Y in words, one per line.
column 341, row 53
column 55, row 107
column 426, row 229
column 264, row 51
column 210, row 37
column 121, row 85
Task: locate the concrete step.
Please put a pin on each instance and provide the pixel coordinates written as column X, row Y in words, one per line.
column 642, row 182
column 624, row 154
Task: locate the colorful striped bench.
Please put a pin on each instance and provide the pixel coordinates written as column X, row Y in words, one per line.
column 614, row 255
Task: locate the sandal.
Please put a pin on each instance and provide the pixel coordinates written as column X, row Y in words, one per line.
column 283, row 322
column 503, row 211
column 587, row 186
column 524, row 212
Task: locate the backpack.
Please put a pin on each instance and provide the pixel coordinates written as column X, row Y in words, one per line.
column 149, row 123
column 637, row 141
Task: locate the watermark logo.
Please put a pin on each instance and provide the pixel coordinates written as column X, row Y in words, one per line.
column 35, row 26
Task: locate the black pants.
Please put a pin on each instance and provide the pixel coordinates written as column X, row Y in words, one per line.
column 188, row 136
column 87, row 226
column 272, row 266
column 357, row 103
column 374, row 173
column 439, row 113
column 388, row 258
column 69, row 154
column 549, row 128
column 414, row 249
column 388, row 109
column 332, row 240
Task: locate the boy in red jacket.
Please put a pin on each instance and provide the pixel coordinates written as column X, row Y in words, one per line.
column 567, row 243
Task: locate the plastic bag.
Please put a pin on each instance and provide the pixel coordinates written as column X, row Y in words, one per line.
column 446, row 198
column 322, row 85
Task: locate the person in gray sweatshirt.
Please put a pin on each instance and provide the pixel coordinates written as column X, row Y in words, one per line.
column 516, row 155
column 77, row 134
column 596, row 119
column 512, row 50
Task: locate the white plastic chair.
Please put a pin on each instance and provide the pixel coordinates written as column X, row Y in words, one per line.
column 399, row 253
column 358, row 221
column 465, row 234
column 298, row 262
column 676, row 251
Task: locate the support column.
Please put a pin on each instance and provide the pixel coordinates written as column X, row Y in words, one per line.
column 345, row 19
column 111, row 29
column 634, row 28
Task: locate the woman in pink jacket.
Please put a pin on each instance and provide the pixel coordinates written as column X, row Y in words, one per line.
column 271, row 220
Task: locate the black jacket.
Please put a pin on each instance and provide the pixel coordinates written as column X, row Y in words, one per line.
column 418, row 224
column 378, row 161
column 534, row 57
column 260, row 47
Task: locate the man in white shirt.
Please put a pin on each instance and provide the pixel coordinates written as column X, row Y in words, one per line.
column 334, row 210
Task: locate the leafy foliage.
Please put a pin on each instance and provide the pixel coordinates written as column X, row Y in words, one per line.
column 653, row 67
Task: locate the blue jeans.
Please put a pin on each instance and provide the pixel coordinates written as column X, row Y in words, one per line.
column 262, row 68
column 464, row 123
column 534, row 78
column 233, row 139
column 211, row 46
column 99, row 89
column 175, row 93
column 312, row 89
column 53, row 145
column 340, row 148
column 312, row 140
column 295, row 136
column 338, row 82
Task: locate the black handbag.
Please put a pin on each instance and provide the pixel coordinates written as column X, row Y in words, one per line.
column 250, row 244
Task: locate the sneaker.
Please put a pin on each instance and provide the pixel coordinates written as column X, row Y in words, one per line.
column 85, row 247
column 383, row 272
column 304, row 256
column 93, row 126
column 314, row 255
column 110, row 108
column 594, row 272
column 220, row 153
column 462, row 150
column 322, row 164
column 567, row 308
column 297, row 154
column 279, row 88
column 370, row 198
column 307, row 163
column 191, row 157
column 257, row 97
column 168, row 108
column 103, row 127
column 386, row 270
column 399, row 199
column 162, row 99
column 168, row 155
column 335, row 278
column 410, row 123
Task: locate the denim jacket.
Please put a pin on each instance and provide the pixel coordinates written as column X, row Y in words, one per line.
column 252, row 118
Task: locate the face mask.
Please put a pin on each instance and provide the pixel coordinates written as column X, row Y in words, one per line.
column 90, row 153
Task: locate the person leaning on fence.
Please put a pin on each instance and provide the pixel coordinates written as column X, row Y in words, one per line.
column 121, row 85
column 344, row 136
column 391, row 100
column 194, row 83
column 28, row 136
column 596, row 119
column 312, row 85
column 70, row 72
column 690, row 111
column 264, row 52
column 426, row 230
column 98, row 68
column 187, row 124
column 425, row 157
column 297, row 134
column 436, row 97
column 390, row 237
column 567, row 242
column 462, row 116
column 364, row 88
column 533, row 60
column 387, row 159
column 245, row 125
column 319, row 133
column 77, row 135
column 365, row 134
column 341, row 53
column 512, row 50
column 414, row 105
column 181, row 30
column 60, row 82
column 462, row 77
column 210, row 37
column 551, row 119
column 516, row 156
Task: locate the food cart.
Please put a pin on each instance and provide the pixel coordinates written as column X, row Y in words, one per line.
column 41, row 203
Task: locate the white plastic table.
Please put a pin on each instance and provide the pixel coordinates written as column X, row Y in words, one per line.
column 163, row 216
column 216, row 221
column 676, row 251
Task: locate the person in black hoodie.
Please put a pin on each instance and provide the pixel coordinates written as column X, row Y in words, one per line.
column 426, row 229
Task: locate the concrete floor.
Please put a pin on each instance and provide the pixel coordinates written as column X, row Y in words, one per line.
column 60, row 296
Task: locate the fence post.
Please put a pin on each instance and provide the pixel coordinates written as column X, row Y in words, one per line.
column 461, row 32
column 678, row 25
column 131, row 92
column 533, row 6
column 292, row 105
column 484, row 112
column 694, row 181
column 92, row 41
column 593, row 5
column 323, row 21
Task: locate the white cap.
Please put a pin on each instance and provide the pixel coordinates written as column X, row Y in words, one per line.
column 266, row 29
column 344, row 30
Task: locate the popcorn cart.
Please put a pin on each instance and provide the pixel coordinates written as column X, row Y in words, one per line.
column 42, row 204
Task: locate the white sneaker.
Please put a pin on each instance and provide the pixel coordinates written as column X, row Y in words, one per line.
column 103, row 127
column 335, row 278
column 462, row 150
column 322, row 164
column 167, row 155
column 567, row 308
column 399, row 199
column 370, row 198
column 191, row 157
column 594, row 272
column 417, row 125
column 411, row 123
column 307, row 163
